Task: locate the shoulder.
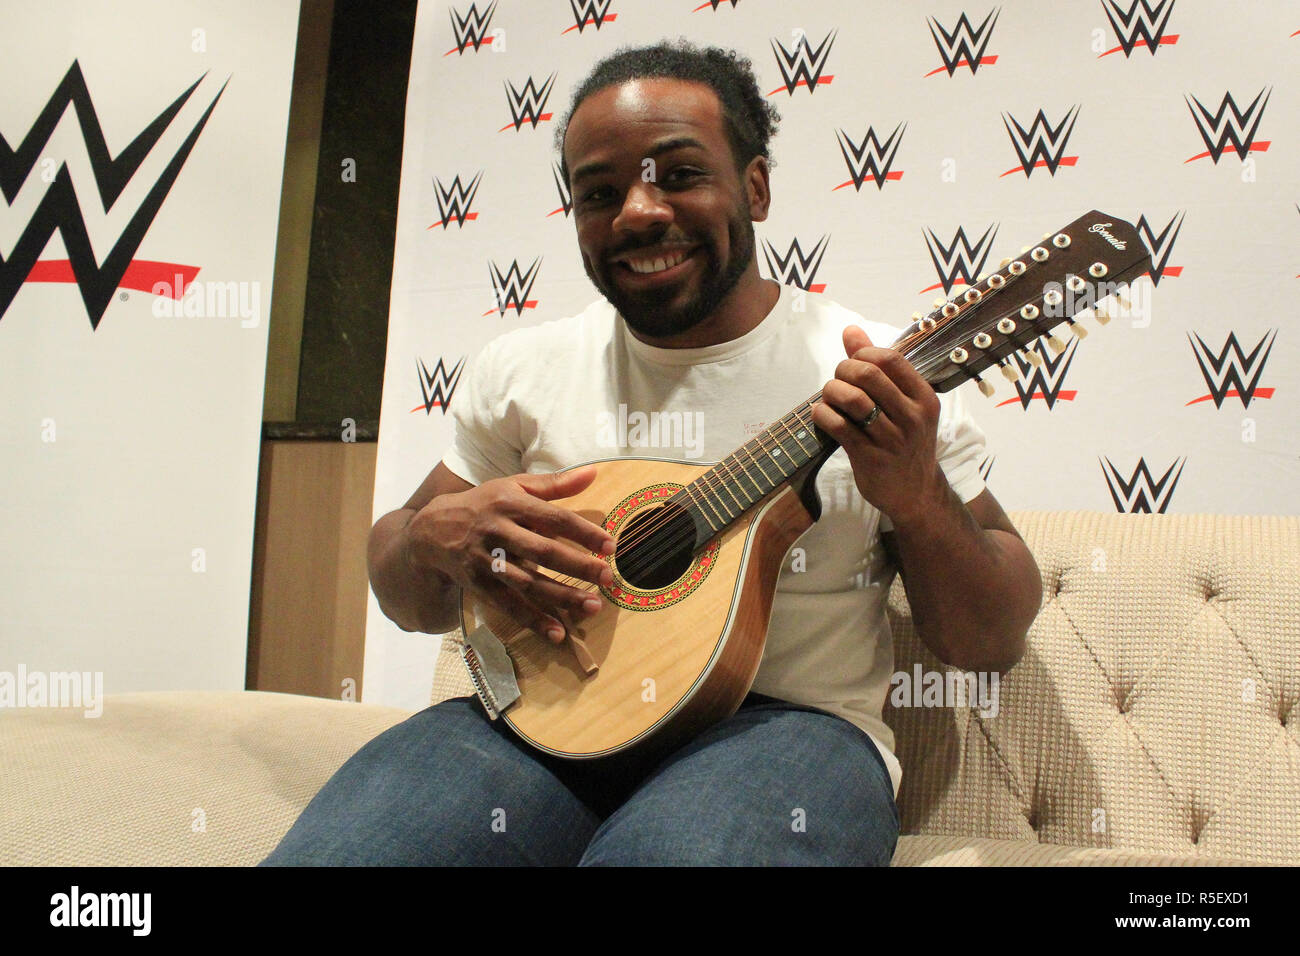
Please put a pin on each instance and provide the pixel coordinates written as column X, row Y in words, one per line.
column 540, row 346
column 830, row 318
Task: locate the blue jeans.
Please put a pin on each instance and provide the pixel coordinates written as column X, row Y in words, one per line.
column 775, row 784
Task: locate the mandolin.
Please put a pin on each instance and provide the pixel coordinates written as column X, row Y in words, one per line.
column 699, row 547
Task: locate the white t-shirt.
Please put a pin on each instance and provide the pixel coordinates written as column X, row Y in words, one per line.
column 580, row 389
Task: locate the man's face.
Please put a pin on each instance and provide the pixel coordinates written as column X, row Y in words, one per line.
column 665, row 221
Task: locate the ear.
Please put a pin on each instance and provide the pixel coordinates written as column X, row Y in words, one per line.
column 757, row 188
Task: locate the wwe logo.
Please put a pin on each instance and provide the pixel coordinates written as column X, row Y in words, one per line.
column 590, row 12
column 958, row 263
column 1043, row 381
column 964, row 45
column 1042, row 144
column 1140, row 25
column 803, row 65
column 510, row 288
column 715, row 4
column 566, row 197
column 1232, row 373
column 59, row 209
column 871, row 158
column 438, row 386
column 1140, row 493
column 471, row 29
column 986, row 466
column 795, row 268
column 1229, row 125
column 526, row 105
column 454, row 200
column 1160, row 246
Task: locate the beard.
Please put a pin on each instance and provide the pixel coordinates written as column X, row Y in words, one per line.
column 649, row 316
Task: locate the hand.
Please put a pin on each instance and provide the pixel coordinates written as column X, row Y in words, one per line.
column 895, row 464
column 456, row 534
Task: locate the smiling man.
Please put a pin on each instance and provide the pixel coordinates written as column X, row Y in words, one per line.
column 666, row 152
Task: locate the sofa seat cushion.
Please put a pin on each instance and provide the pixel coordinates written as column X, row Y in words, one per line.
column 979, row 851
column 170, row 779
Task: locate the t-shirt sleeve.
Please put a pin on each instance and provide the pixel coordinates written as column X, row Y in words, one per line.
column 960, row 448
column 486, row 443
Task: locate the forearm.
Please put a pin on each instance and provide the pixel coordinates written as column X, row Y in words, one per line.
column 412, row 600
column 973, row 591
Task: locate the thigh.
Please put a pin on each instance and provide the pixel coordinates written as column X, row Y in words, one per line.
column 440, row 789
column 772, row 785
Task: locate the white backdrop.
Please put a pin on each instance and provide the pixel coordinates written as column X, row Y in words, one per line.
column 132, row 425
column 481, row 215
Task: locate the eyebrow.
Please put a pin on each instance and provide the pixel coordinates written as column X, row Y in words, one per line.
column 664, row 146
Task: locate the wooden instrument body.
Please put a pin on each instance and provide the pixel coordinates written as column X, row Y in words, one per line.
column 672, row 660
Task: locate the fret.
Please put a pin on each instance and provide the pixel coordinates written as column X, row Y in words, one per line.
column 719, row 500
column 704, row 497
column 727, row 487
column 761, row 491
column 695, row 504
column 784, row 445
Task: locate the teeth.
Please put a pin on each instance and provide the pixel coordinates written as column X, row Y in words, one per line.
column 648, row 266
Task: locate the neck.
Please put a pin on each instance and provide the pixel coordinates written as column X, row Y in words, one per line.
column 761, row 465
column 744, row 308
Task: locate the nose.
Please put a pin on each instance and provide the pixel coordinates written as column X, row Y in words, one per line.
column 643, row 209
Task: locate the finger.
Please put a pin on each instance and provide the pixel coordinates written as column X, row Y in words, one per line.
column 900, row 371
column 557, row 484
column 855, row 442
column 546, row 594
column 558, row 556
column 855, row 339
column 850, row 405
column 519, row 609
column 875, row 382
column 554, row 521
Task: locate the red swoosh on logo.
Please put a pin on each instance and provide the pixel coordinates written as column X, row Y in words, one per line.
column 541, row 119
column 869, row 178
column 609, row 18
column 1252, row 148
column 939, row 285
column 1067, row 395
column 528, row 304
column 468, row 215
column 1164, row 41
column 821, row 81
column 984, row 61
column 142, row 275
column 1042, row 164
column 1233, row 393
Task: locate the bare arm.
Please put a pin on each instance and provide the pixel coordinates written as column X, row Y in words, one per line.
column 414, row 600
column 448, row 538
column 972, row 584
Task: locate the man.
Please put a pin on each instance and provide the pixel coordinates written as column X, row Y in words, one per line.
column 666, row 154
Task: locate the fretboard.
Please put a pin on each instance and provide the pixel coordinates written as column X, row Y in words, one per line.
column 751, row 472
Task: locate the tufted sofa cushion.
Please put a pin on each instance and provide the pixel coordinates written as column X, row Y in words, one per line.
column 1151, row 721
column 1155, row 708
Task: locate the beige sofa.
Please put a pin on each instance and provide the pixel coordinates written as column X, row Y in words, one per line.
column 1152, row 721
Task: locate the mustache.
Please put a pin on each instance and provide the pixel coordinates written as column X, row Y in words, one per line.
column 657, row 242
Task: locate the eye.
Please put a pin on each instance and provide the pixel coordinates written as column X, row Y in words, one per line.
column 681, row 175
column 596, row 195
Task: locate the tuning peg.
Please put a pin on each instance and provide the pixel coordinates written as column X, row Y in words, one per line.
column 1032, row 357
column 1077, row 329
column 1004, row 263
column 1008, row 371
column 985, row 386
column 1103, row 314
column 1055, row 344
column 939, row 302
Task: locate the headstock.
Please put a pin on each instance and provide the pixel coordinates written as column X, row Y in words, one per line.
column 1071, row 271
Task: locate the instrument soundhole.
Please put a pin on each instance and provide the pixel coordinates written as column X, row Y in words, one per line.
column 654, row 548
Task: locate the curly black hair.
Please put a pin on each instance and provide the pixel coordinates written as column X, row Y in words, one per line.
column 750, row 119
